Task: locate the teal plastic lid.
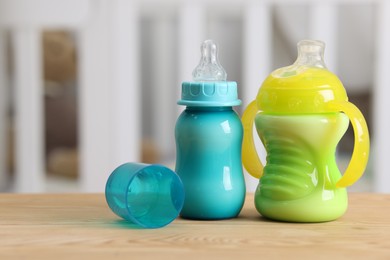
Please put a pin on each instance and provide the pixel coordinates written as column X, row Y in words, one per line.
column 209, row 87
column 211, row 93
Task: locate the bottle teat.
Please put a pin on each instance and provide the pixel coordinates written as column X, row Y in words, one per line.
column 311, row 53
column 209, row 68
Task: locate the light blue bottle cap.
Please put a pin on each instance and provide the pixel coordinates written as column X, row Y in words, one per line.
column 209, row 87
column 212, row 93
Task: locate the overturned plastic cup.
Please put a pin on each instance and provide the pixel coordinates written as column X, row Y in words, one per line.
column 148, row 195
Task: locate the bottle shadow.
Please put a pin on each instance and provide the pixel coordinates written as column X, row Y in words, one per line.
column 122, row 224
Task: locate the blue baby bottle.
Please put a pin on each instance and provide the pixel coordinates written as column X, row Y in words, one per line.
column 208, row 142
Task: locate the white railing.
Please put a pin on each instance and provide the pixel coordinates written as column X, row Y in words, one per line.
column 109, row 94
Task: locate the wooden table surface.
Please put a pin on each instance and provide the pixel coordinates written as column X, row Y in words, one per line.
column 81, row 226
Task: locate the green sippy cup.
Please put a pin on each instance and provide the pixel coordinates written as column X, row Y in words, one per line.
column 301, row 112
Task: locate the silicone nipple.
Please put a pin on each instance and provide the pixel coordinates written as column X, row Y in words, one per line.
column 311, row 53
column 209, row 68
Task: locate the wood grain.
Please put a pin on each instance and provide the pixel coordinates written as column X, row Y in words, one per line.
column 81, row 226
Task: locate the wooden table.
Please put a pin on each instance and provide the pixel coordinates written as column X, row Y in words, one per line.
column 81, row 226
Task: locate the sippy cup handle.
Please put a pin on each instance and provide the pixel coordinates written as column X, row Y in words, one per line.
column 361, row 149
column 250, row 159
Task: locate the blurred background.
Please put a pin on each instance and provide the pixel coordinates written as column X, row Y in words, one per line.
column 88, row 85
